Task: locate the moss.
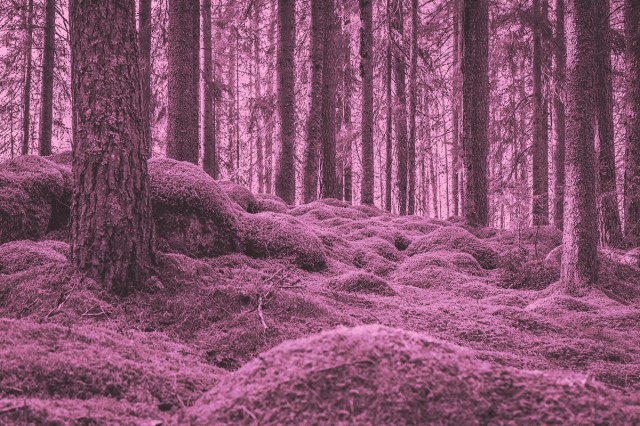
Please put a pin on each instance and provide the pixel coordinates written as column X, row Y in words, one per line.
column 379, row 375
column 454, row 238
column 379, row 246
column 270, row 203
column 361, row 282
column 271, row 235
column 458, row 262
column 193, row 215
column 17, row 256
column 239, row 194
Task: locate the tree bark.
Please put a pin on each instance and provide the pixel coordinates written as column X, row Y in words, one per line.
column 475, row 110
column 400, row 109
column 559, row 122
column 389, row 122
column 257, row 113
column 455, row 108
column 28, row 70
column 346, row 111
column 144, row 47
column 183, row 69
column 632, row 139
column 231, row 112
column 413, row 70
column 111, row 221
column 366, row 73
column 609, row 225
column 286, row 173
column 48, row 62
column 579, row 255
column 209, row 142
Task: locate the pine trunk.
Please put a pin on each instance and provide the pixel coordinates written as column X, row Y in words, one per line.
column 400, row 109
column 257, row 110
column 411, row 205
column 209, row 143
column 28, row 70
column 48, row 62
column 111, row 221
column 455, row 108
column 144, row 47
column 559, row 122
column 389, row 122
column 366, row 73
column 346, row 112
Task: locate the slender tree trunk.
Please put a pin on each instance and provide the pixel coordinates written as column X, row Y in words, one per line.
column 231, row 112
column 258, row 99
column 609, row 225
column 314, row 125
column 48, row 58
column 411, row 207
column 209, row 143
column 632, row 155
column 579, row 255
column 389, row 125
column 111, row 222
column 144, row 47
column 28, row 65
column 270, row 112
column 540, row 149
column 366, row 73
column 559, row 122
column 475, row 111
column 455, row 108
column 183, row 105
column 346, row 113
column 400, row 109
column 286, row 174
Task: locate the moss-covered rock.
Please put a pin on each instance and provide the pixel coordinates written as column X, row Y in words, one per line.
column 17, row 256
column 380, row 375
column 239, row 195
column 273, row 235
column 270, row 203
column 192, row 213
column 361, row 282
column 454, row 238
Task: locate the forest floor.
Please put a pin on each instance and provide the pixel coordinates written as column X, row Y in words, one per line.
column 420, row 321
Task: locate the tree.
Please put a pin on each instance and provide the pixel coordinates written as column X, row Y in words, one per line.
column 475, row 110
column 286, row 173
column 48, row 58
column 347, row 78
column 455, row 110
column 209, row 145
column 579, row 242
column 610, row 228
column 389, row 117
column 144, row 47
column 400, row 109
column 183, row 105
column 111, row 223
column 413, row 70
column 632, row 138
column 256, row 114
column 559, row 116
column 28, row 65
column 366, row 73
column 540, row 161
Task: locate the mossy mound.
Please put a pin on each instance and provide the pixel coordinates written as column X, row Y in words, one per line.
column 380, row 375
column 35, row 195
column 379, row 246
column 454, row 238
column 192, row 213
column 431, row 277
column 361, row 282
column 239, row 195
column 270, row 203
column 17, row 256
column 272, row 235
column 456, row 261
column 538, row 241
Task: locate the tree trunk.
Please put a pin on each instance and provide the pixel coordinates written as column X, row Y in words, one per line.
column 346, row 111
column 455, row 108
column 400, row 109
column 144, row 47
column 559, row 122
column 579, row 255
column 540, row 149
column 411, row 207
column 632, row 156
column 257, row 112
column 475, row 110
column 183, row 107
column 111, row 221
column 389, row 123
column 270, row 112
column 209, row 143
column 28, row 65
column 48, row 58
column 609, row 226
column 366, row 73
column 231, row 112
column 286, row 174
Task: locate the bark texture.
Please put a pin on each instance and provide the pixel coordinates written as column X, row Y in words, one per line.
column 455, row 108
column 632, row 156
column 183, row 108
column 400, row 108
column 389, row 118
column 48, row 62
column 366, row 73
column 209, row 142
column 475, row 110
column 413, row 70
column 286, row 173
column 111, row 222
column 580, row 237
column 144, row 48
column 28, row 71
column 559, row 115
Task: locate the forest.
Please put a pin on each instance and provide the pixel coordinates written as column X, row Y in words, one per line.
column 268, row 212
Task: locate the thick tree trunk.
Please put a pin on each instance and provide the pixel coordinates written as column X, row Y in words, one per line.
column 540, row 149
column 632, row 156
column 389, row 122
column 559, row 122
column 475, row 110
column 111, row 222
column 183, row 105
column 455, row 108
column 286, row 174
column 28, row 65
column 314, row 125
column 209, row 143
column 366, row 73
column 579, row 255
column 609, row 226
column 144, row 47
column 400, row 109
column 48, row 58
column 346, row 111
column 413, row 70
